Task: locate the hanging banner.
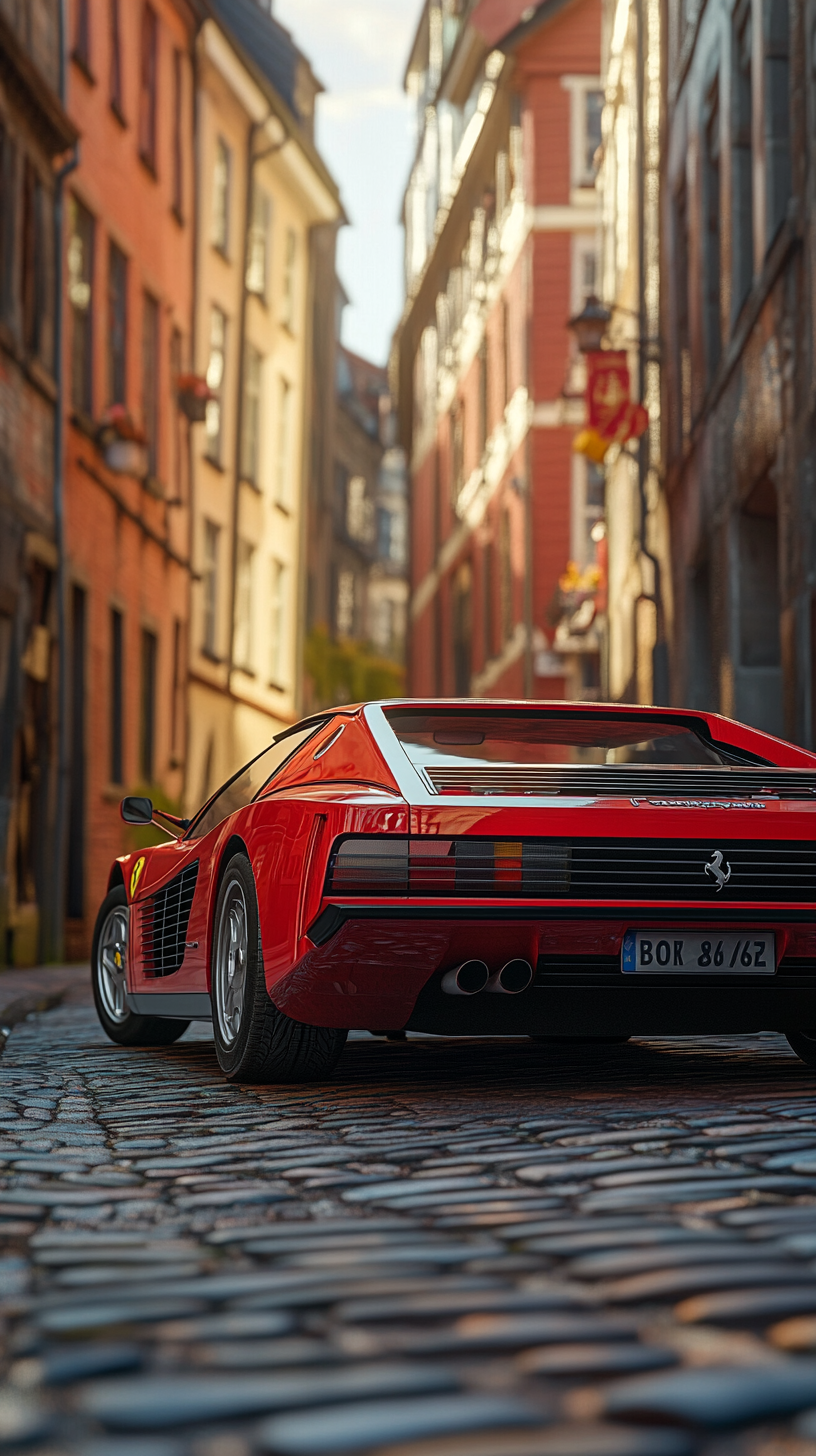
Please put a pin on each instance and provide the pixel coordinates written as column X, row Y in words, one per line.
column 613, row 418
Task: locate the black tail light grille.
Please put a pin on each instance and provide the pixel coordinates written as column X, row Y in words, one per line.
column 599, row 869
column 163, row 921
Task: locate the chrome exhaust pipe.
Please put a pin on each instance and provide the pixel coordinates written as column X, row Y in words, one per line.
column 514, row 977
column 466, row 980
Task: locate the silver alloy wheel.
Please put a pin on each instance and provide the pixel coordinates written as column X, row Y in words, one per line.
column 229, row 979
column 112, row 963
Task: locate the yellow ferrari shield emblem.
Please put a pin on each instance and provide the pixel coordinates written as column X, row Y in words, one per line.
column 136, row 875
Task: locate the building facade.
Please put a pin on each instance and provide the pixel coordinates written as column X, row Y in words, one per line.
column 501, row 219
column 639, row 619
column 128, row 276
column 738, row 324
column 263, row 192
column 35, row 139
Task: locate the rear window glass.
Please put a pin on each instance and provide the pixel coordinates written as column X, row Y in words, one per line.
column 452, row 738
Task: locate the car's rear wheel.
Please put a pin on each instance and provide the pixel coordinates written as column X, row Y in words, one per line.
column 254, row 1041
column 804, row 1044
column 109, row 975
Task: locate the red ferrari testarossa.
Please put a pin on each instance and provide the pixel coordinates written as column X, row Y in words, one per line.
column 473, row 868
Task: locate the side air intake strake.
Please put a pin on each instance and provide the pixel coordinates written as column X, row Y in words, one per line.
column 753, row 872
column 163, row 921
column 617, row 781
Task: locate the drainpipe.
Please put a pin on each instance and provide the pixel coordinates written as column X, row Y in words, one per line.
column 255, row 130
column 52, row 935
column 660, row 659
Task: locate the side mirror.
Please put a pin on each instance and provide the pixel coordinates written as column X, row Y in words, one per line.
column 136, row 811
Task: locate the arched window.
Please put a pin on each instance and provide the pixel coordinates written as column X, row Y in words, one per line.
column 777, row 115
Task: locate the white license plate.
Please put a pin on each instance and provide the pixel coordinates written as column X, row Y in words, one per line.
column 676, row 953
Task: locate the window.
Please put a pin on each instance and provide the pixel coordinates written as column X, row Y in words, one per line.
column 290, row 262
column 344, row 604
column 488, row 589
column 209, row 581
column 177, row 180
column 117, row 683
column 483, row 398
column 150, row 380
column 178, row 432
column 251, row 422
column 462, row 630
column 244, row 605
column 8, row 215
column 711, row 232
column 117, row 326
column 221, row 195
column 458, row 448
column 34, row 288
column 249, row 782
column 80, row 297
column 147, row 87
column 257, row 272
column 742, row 194
column 115, row 77
column 82, row 35
column 681, row 294
column 147, row 715
column 359, row 510
column 432, row 739
column 593, row 112
column 505, row 577
column 179, row 693
column 75, row 873
column 278, row 624
column 215, row 379
column 777, row 115
column 282, row 468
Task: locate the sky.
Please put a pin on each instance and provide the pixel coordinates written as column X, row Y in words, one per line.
column 365, row 132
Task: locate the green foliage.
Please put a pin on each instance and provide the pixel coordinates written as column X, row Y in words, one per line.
column 349, row 672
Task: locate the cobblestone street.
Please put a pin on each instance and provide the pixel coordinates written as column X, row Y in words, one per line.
column 477, row 1249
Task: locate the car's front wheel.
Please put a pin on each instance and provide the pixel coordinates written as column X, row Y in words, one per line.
column 804, row 1044
column 109, row 976
column 254, row 1041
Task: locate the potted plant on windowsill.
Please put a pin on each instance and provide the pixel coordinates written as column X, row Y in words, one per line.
column 123, row 443
column 193, row 394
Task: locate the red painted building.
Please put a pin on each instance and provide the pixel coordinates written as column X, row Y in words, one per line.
column 128, row 277
column 501, row 222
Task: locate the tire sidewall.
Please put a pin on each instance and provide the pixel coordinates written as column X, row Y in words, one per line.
column 230, row 1058
column 116, row 1030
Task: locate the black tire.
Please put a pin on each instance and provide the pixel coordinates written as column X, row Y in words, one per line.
column 804, row 1044
column 254, row 1041
column 118, row 1023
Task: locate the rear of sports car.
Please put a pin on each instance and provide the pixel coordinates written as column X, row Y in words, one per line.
column 581, row 872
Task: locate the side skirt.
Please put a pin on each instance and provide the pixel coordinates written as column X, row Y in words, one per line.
column 180, row 1005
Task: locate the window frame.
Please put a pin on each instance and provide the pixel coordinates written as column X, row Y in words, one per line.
column 148, row 86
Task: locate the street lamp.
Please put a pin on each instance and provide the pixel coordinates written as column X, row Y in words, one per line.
column 589, row 326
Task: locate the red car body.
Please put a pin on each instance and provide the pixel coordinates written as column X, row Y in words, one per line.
column 348, row 945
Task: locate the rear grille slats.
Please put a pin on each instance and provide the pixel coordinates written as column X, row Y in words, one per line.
column 622, row 781
column 163, row 921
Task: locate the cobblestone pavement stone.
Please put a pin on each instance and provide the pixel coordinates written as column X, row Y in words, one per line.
column 455, row 1249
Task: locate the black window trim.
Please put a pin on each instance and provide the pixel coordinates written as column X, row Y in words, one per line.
column 315, row 724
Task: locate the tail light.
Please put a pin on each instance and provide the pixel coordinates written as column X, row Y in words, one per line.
column 429, row 866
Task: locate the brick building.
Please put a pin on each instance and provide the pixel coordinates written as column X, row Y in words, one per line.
column 34, row 134
column 128, row 277
column 264, row 191
column 739, row 248
column 501, row 219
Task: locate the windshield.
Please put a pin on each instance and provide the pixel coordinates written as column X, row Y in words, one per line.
column 472, row 738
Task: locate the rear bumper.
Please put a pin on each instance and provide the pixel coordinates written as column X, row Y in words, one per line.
column 380, row 966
